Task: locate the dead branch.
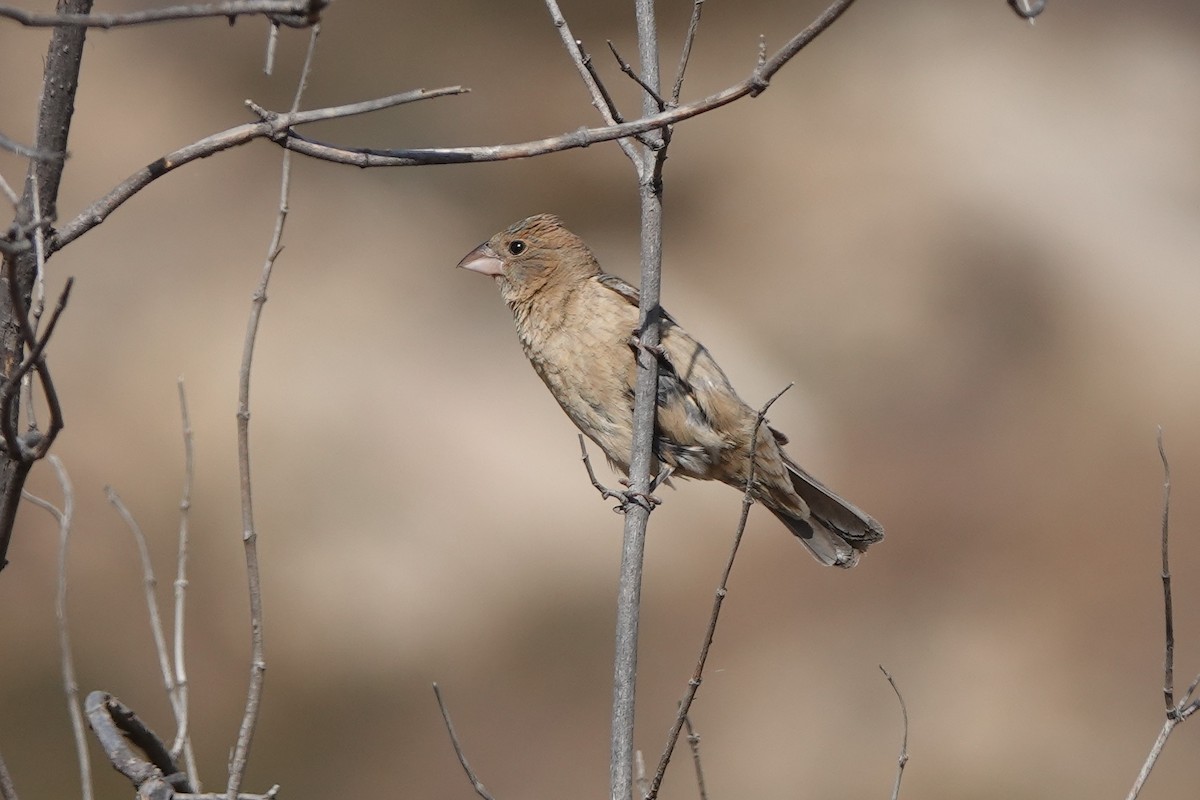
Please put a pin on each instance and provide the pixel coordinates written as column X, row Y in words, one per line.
column 294, row 13
column 1179, row 711
column 258, row 666
column 685, row 705
column 902, row 759
column 477, row 784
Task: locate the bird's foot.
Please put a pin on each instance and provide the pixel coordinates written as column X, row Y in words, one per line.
column 631, row 497
column 635, row 343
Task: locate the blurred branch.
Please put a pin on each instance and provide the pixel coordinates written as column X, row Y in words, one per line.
column 241, row 751
column 902, row 759
column 685, row 705
column 1027, row 9
column 693, row 738
column 686, row 53
column 183, row 743
column 294, row 13
column 1177, row 712
column 116, row 727
column 64, row 518
column 7, row 790
column 477, row 784
column 60, row 79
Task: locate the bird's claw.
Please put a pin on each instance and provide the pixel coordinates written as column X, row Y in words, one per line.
column 635, row 342
column 633, row 497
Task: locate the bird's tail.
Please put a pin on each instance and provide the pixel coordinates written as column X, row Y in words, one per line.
column 835, row 531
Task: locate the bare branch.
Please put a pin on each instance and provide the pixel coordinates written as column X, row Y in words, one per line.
column 1168, row 614
column 241, row 751
column 298, row 13
column 686, row 54
column 70, row 684
column 25, row 151
column 685, row 705
column 270, row 125
column 628, row 70
column 150, row 586
column 694, row 743
column 600, row 97
column 1176, row 712
column 183, row 743
column 902, row 759
column 477, row 784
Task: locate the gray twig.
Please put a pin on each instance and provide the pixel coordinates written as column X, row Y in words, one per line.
column 686, row 54
column 600, row 98
column 1177, row 712
column 70, row 684
column 902, row 759
column 182, row 746
column 298, row 13
column 685, row 705
column 693, row 739
column 477, row 784
column 632, row 73
column 7, row 790
column 258, row 666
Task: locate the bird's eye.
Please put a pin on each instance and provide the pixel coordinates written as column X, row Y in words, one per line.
column 516, row 248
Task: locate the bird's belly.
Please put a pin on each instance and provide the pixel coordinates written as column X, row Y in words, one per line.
column 593, row 398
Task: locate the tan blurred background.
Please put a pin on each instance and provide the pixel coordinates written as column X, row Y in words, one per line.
column 973, row 244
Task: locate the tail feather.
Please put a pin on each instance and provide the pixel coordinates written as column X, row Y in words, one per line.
column 836, row 531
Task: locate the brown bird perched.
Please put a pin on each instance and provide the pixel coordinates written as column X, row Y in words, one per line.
column 575, row 323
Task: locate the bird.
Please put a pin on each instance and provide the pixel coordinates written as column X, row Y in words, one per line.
column 578, row 326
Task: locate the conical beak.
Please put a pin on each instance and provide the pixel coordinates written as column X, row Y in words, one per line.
column 483, row 259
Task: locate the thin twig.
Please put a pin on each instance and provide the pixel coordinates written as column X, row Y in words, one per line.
column 1176, row 712
column 632, row 73
column 70, row 684
column 150, row 588
column 25, row 151
column 1168, row 613
column 477, row 784
column 693, row 739
column 685, row 705
column 686, row 54
column 902, row 759
column 613, row 113
column 258, row 666
column 600, row 97
column 296, row 11
column 38, row 444
column 182, row 745
column 269, row 125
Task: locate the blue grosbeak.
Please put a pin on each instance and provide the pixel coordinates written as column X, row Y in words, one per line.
column 575, row 324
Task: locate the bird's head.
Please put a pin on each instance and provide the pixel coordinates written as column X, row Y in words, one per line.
column 532, row 255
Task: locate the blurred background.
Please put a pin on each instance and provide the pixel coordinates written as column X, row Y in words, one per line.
column 971, row 242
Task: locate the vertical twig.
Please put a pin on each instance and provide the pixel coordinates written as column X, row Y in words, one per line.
column 686, row 53
column 685, row 705
column 182, row 745
column 150, row 587
column 694, row 739
column 902, row 759
column 641, row 460
column 70, row 684
column 258, row 666
column 1176, row 712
